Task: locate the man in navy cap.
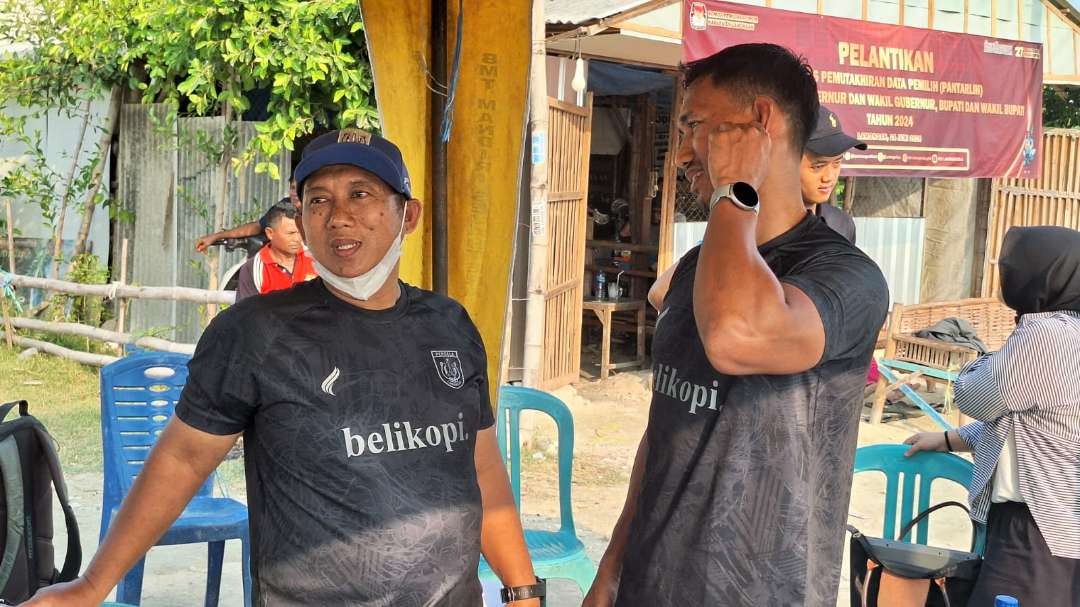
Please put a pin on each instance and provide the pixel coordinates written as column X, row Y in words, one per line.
column 373, row 473
column 820, row 171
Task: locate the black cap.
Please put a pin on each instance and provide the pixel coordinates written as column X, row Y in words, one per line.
column 359, row 149
column 828, row 138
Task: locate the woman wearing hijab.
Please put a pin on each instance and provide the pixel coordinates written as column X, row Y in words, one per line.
column 1026, row 398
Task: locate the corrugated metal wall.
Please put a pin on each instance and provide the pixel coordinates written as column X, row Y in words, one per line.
column 896, row 245
column 171, row 181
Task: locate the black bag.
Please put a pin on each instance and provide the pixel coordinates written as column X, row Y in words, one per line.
column 886, row 573
column 30, row 470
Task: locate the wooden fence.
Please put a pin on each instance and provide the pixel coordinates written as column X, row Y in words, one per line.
column 118, row 292
column 1051, row 200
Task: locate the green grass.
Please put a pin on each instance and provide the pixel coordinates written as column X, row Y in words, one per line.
column 64, row 396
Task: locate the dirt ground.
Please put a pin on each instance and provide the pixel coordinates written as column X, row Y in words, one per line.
column 609, row 419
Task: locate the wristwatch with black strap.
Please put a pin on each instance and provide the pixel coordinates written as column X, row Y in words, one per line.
column 741, row 194
column 521, row 593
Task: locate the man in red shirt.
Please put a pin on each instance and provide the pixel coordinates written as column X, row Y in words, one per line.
column 281, row 263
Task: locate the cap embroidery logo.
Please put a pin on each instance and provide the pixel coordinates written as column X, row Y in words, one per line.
column 832, row 120
column 354, row 136
column 448, row 367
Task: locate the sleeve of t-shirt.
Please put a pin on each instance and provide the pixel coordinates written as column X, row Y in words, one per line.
column 851, row 298
column 221, row 393
column 486, row 415
column 245, row 283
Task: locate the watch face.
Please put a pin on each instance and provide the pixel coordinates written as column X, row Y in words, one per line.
column 745, row 193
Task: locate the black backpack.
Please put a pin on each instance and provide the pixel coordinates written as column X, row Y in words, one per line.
column 30, row 469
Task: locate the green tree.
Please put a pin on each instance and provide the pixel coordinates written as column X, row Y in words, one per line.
column 306, row 60
column 1061, row 106
column 209, row 55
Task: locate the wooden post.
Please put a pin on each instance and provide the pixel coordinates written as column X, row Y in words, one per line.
column 671, row 176
column 222, row 202
column 881, row 392
column 121, row 303
column 58, row 235
column 535, row 307
column 104, row 146
column 849, row 196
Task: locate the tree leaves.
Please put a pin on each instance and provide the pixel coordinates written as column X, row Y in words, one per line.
column 199, row 55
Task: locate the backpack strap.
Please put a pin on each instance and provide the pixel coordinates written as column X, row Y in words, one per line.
column 13, row 491
column 7, row 407
column 73, row 556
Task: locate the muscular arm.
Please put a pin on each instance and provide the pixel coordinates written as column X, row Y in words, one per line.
column 502, row 540
column 606, row 585
column 180, row 462
column 749, row 322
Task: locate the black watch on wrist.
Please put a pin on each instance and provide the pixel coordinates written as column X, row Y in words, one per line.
column 521, row 593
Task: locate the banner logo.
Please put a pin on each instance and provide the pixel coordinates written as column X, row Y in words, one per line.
column 698, row 20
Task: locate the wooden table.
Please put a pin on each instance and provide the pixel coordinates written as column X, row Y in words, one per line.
column 604, row 309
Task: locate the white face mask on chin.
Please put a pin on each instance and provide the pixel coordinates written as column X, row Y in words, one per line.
column 362, row 287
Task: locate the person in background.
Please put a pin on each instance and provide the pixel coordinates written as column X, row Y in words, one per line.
column 282, row 261
column 820, row 171
column 1026, row 400
column 251, row 229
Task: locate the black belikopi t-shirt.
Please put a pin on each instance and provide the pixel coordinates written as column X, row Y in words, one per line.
column 746, row 484
column 359, row 431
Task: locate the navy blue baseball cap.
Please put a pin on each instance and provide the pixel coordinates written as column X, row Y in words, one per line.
column 359, row 149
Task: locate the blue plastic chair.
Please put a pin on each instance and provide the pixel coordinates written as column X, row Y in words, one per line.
column 555, row 554
column 138, row 395
column 919, row 470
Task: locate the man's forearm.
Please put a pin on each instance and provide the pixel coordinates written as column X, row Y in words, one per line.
column 244, row 230
column 502, row 540
column 162, row 490
column 732, row 281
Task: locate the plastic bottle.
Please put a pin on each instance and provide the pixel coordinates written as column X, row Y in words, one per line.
column 601, row 285
column 1004, row 600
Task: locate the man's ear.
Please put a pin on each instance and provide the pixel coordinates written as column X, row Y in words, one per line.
column 268, row 232
column 414, row 209
column 765, row 113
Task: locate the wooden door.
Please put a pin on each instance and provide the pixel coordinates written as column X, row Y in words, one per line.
column 569, row 140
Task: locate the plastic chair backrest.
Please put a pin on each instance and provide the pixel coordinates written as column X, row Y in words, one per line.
column 512, row 401
column 919, row 470
column 138, row 396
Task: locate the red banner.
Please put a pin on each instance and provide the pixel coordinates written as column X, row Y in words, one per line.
column 928, row 103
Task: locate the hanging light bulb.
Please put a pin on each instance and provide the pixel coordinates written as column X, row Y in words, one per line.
column 578, row 83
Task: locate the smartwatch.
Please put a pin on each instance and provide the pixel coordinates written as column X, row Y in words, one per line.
column 741, row 194
column 520, row 593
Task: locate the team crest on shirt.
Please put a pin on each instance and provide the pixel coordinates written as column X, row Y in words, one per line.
column 448, row 366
